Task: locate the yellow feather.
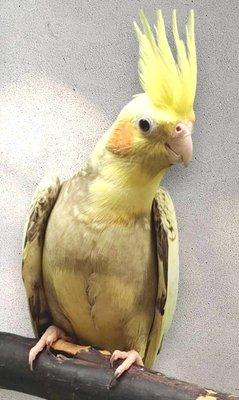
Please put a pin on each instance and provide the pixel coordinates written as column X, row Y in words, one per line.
column 170, row 84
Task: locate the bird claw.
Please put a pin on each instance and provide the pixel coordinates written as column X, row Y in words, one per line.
column 129, row 357
column 31, row 358
column 114, row 379
column 48, row 338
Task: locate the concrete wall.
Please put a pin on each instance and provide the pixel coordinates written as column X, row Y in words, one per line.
column 67, row 68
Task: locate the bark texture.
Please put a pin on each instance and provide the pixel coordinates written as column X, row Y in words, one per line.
column 86, row 376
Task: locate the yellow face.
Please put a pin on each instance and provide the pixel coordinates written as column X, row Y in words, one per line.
column 155, row 138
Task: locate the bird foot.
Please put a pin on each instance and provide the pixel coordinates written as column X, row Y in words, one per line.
column 129, row 357
column 52, row 334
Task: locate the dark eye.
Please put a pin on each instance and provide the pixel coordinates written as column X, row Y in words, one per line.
column 145, row 125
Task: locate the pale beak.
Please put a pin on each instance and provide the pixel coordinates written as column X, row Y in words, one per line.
column 180, row 145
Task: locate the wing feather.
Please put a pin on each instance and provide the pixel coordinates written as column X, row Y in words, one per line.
column 40, row 209
column 165, row 239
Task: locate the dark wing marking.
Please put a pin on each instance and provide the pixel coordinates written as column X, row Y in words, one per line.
column 165, row 245
column 40, row 210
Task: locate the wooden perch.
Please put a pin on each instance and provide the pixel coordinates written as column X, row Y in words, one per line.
column 86, row 376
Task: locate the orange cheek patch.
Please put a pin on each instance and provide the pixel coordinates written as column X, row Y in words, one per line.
column 121, row 140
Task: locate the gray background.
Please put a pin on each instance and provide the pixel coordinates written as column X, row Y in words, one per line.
column 67, row 68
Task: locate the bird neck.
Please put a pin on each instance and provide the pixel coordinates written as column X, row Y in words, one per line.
column 120, row 190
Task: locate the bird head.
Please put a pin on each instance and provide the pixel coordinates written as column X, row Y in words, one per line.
column 155, row 127
column 153, row 131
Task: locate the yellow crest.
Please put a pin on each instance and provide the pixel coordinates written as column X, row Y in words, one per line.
column 169, row 83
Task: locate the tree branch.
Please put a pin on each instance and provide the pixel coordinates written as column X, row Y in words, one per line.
column 86, row 376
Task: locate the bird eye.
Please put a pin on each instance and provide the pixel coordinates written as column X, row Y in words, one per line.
column 145, row 124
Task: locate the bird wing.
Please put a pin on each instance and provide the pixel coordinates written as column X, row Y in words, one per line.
column 40, row 210
column 165, row 243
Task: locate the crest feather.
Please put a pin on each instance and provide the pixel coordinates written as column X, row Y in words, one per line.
column 170, row 83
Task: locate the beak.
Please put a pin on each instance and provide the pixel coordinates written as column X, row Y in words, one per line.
column 180, row 145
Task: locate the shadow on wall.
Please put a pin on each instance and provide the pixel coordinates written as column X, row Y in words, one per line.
column 47, row 124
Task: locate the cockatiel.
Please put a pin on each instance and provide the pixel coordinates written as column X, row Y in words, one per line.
column 100, row 259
